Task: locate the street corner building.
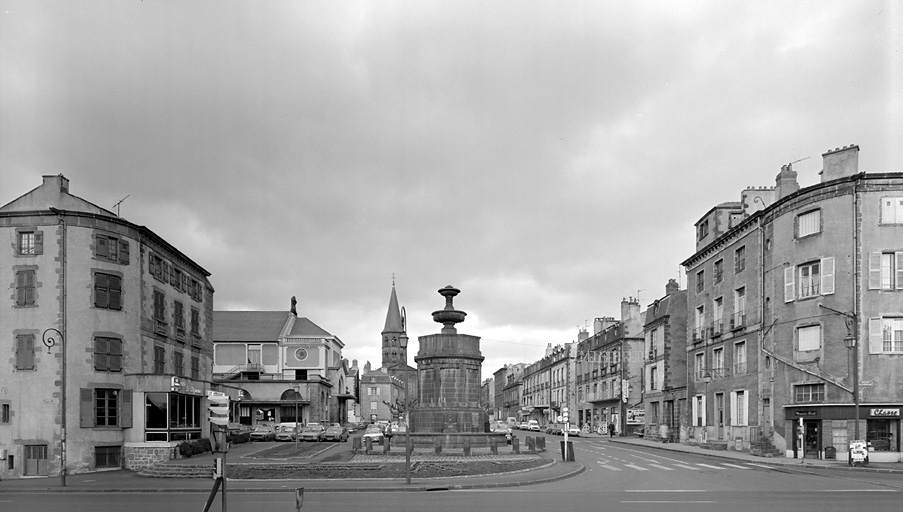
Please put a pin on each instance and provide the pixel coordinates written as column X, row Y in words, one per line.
column 107, row 331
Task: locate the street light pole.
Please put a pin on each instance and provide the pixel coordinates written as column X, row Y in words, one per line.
column 851, row 342
column 403, row 341
column 50, row 336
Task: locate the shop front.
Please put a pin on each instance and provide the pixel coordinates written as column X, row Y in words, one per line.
column 821, row 429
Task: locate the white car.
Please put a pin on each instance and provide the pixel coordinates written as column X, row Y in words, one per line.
column 374, row 432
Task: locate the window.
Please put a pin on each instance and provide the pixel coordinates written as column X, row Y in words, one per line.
column 30, row 242
column 718, row 360
column 886, row 271
column 25, row 288
column 25, row 352
column 652, row 384
column 178, row 311
column 158, row 267
column 703, row 229
column 109, row 248
column 814, row 278
column 159, row 360
column 159, row 306
column 808, row 223
column 4, row 413
column 195, row 367
column 195, row 326
column 740, row 357
column 373, row 406
column 738, row 408
column 892, row 210
column 740, row 260
column 809, row 393
column 373, row 391
column 719, row 315
column 177, row 279
column 739, row 319
column 107, row 354
column 719, row 271
column 178, row 363
column 699, row 415
column 107, row 457
column 655, row 411
column 700, row 281
column 107, row 291
column 106, row 407
column 653, row 343
column 700, row 366
column 700, row 324
column 809, row 338
column 886, row 335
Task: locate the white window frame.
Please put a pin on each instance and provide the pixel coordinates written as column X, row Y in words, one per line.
column 885, row 334
column 892, row 210
column 740, row 357
column 700, row 365
column 699, row 416
column 739, row 408
column 718, row 359
column 808, row 338
column 886, row 270
column 794, row 282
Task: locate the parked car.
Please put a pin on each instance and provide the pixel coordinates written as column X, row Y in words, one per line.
column 286, row 431
column 574, row 430
column 311, row 433
column 533, row 425
column 553, row 429
column 523, row 426
column 373, row 432
column 503, row 428
column 336, row 434
column 263, row 433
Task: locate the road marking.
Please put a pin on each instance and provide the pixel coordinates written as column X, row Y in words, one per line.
column 709, row 466
column 606, row 466
column 760, row 465
column 733, row 465
column 659, row 466
column 684, row 466
column 638, row 468
column 665, row 490
column 670, row 501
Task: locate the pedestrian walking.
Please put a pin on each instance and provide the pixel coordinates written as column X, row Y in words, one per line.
column 611, row 430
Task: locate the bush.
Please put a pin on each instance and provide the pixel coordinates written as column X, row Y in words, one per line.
column 239, row 437
column 190, row 448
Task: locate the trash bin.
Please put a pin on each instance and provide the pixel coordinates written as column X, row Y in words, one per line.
column 567, row 451
column 830, row 452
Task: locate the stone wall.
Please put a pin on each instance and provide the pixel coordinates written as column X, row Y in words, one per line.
column 145, row 456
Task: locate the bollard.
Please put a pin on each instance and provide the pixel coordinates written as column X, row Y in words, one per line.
column 355, row 444
column 531, row 444
column 386, row 442
column 466, row 447
column 515, row 444
column 541, row 444
column 493, row 447
column 438, row 447
column 368, row 446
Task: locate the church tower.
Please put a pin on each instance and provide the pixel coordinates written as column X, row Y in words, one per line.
column 394, row 358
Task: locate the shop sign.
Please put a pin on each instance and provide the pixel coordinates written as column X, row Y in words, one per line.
column 636, row 416
column 885, row 413
column 805, row 413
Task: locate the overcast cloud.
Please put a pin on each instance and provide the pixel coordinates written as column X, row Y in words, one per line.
column 547, row 158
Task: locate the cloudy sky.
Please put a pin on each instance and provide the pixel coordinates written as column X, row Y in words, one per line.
column 547, row 158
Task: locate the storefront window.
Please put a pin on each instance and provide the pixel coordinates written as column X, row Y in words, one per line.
column 172, row 417
column 883, row 435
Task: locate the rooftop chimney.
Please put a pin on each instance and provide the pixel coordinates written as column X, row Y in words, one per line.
column 672, row 287
column 785, row 182
column 840, row 162
column 56, row 182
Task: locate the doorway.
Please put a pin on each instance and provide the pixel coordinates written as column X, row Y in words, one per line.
column 36, row 460
column 812, row 444
column 719, row 416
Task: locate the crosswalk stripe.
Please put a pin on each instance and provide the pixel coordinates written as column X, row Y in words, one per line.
column 606, row 466
column 709, row 466
column 638, row 468
column 733, row 465
column 659, row 466
column 684, row 466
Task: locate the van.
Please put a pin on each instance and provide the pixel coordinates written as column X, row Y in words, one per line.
column 533, row 425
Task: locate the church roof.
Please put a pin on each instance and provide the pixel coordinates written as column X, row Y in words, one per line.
column 261, row 326
column 393, row 316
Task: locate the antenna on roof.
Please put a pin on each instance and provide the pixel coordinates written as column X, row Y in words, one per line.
column 119, row 203
column 800, row 160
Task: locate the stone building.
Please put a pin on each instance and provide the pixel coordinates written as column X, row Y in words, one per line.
column 508, row 383
column 546, row 385
column 821, row 310
column 609, row 365
column 108, row 334
column 287, row 367
column 665, row 372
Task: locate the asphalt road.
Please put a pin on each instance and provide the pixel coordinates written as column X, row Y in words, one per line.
column 620, row 478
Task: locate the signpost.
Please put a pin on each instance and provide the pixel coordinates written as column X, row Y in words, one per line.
column 218, row 409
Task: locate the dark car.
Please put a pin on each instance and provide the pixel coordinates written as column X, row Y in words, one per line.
column 336, row 434
column 263, row 433
column 311, row 433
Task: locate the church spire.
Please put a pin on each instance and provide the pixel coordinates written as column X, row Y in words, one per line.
column 393, row 354
column 393, row 316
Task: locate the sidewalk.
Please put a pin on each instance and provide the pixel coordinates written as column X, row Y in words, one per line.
column 887, row 467
column 123, row 481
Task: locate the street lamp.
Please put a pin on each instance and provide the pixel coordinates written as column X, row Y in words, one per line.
column 706, row 377
column 50, row 338
column 403, row 342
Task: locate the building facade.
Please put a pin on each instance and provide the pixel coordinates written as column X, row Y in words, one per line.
column 109, row 335
column 665, row 372
column 287, row 367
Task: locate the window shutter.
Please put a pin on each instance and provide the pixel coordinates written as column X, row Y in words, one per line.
column 874, row 270
column 876, row 336
column 151, row 264
column 789, row 284
column 172, row 275
column 100, row 247
column 695, row 412
column 101, row 351
column 115, row 355
column 734, row 415
column 39, row 242
column 86, row 407
column 124, row 252
column 125, row 408
column 827, row 276
column 25, row 352
column 898, row 263
column 115, row 294
column 705, row 416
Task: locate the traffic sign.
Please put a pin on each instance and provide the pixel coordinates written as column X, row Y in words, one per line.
column 218, row 408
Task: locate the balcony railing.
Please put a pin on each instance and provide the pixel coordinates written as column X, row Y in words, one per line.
column 160, row 326
column 718, row 328
column 699, row 334
column 738, row 320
